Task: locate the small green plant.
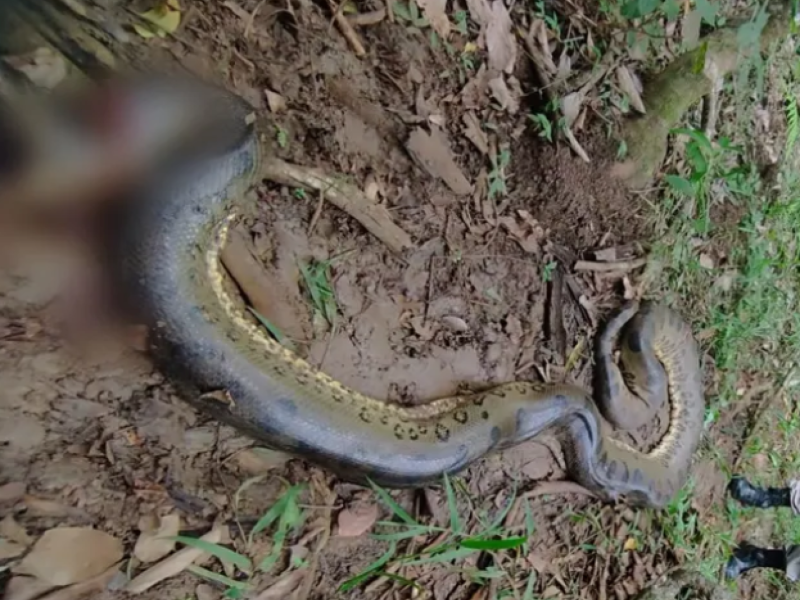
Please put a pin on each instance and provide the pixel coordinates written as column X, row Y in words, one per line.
column 409, row 14
column 287, row 517
column 454, row 543
column 282, row 136
column 317, row 280
column 497, row 176
column 300, row 194
column 547, row 272
column 543, row 124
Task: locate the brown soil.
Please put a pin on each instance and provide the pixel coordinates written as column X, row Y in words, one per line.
column 103, row 441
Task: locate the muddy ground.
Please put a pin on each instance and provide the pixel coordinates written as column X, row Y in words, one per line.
column 487, row 295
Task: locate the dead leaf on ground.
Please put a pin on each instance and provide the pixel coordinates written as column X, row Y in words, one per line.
column 54, row 558
column 706, row 261
column 433, row 153
column 15, row 532
column 25, row 588
column 284, row 587
column 571, row 105
column 275, row 101
column 480, row 11
column 528, row 234
column 507, row 100
column 9, row 549
column 474, row 133
column 436, row 12
column 501, row 44
column 473, row 94
column 257, row 461
column 173, row 564
column 627, row 84
column 40, row 507
column 357, row 520
column 44, row 67
column 537, row 34
column 154, row 543
column 12, row 492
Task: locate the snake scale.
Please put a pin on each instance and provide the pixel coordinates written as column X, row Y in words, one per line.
column 226, row 365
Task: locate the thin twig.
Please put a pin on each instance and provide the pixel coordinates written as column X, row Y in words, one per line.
column 368, row 18
column 317, row 213
column 347, row 30
column 374, row 217
column 605, row 267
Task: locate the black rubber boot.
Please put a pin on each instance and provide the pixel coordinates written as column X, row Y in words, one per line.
column 743, row 492
column 747, row 557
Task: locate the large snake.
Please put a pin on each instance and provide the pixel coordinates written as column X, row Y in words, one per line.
column 228, row 366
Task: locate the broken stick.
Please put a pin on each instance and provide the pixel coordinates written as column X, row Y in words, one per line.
column 374, row 217
column 605, row 267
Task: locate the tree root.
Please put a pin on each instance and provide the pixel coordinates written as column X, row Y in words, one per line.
column 684, row 82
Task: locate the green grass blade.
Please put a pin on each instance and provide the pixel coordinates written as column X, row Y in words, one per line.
column 269, row 517
column 503, row 544
column 371, row 571
column 218, row 577
column 504, row 512
column 401, row 535
column 221, row 552
column 530, row 523
column 447, row 556
column 393, row 506
column 285, row 503
column 452, row 505
column 528, row 594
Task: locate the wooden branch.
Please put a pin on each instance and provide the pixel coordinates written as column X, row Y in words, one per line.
column 374, row 217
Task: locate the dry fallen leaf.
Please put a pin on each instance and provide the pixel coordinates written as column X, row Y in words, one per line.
column 474, row 133
column 173, row 564
column 630, row 544
column 44, row 67
column 357, row 520
column 436, row 12
column 15, row 532
column 706, row 261
column 10, row 549
column 275, row 101
column 501, row 44
column 433, row 152
column 455, row 323
column 12, row 492
column 571, row 106
column 528, row 241
column 54, row 558
column 284, row 587
column 154, row 544
column 480, row 11
column 25, row 588
column 628, row 85
column 257, row 461
column 505, row 98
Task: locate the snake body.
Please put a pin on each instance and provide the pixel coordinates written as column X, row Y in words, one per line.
column 226, row 365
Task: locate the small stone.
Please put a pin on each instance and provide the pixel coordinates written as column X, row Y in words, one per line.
column 455, row 323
